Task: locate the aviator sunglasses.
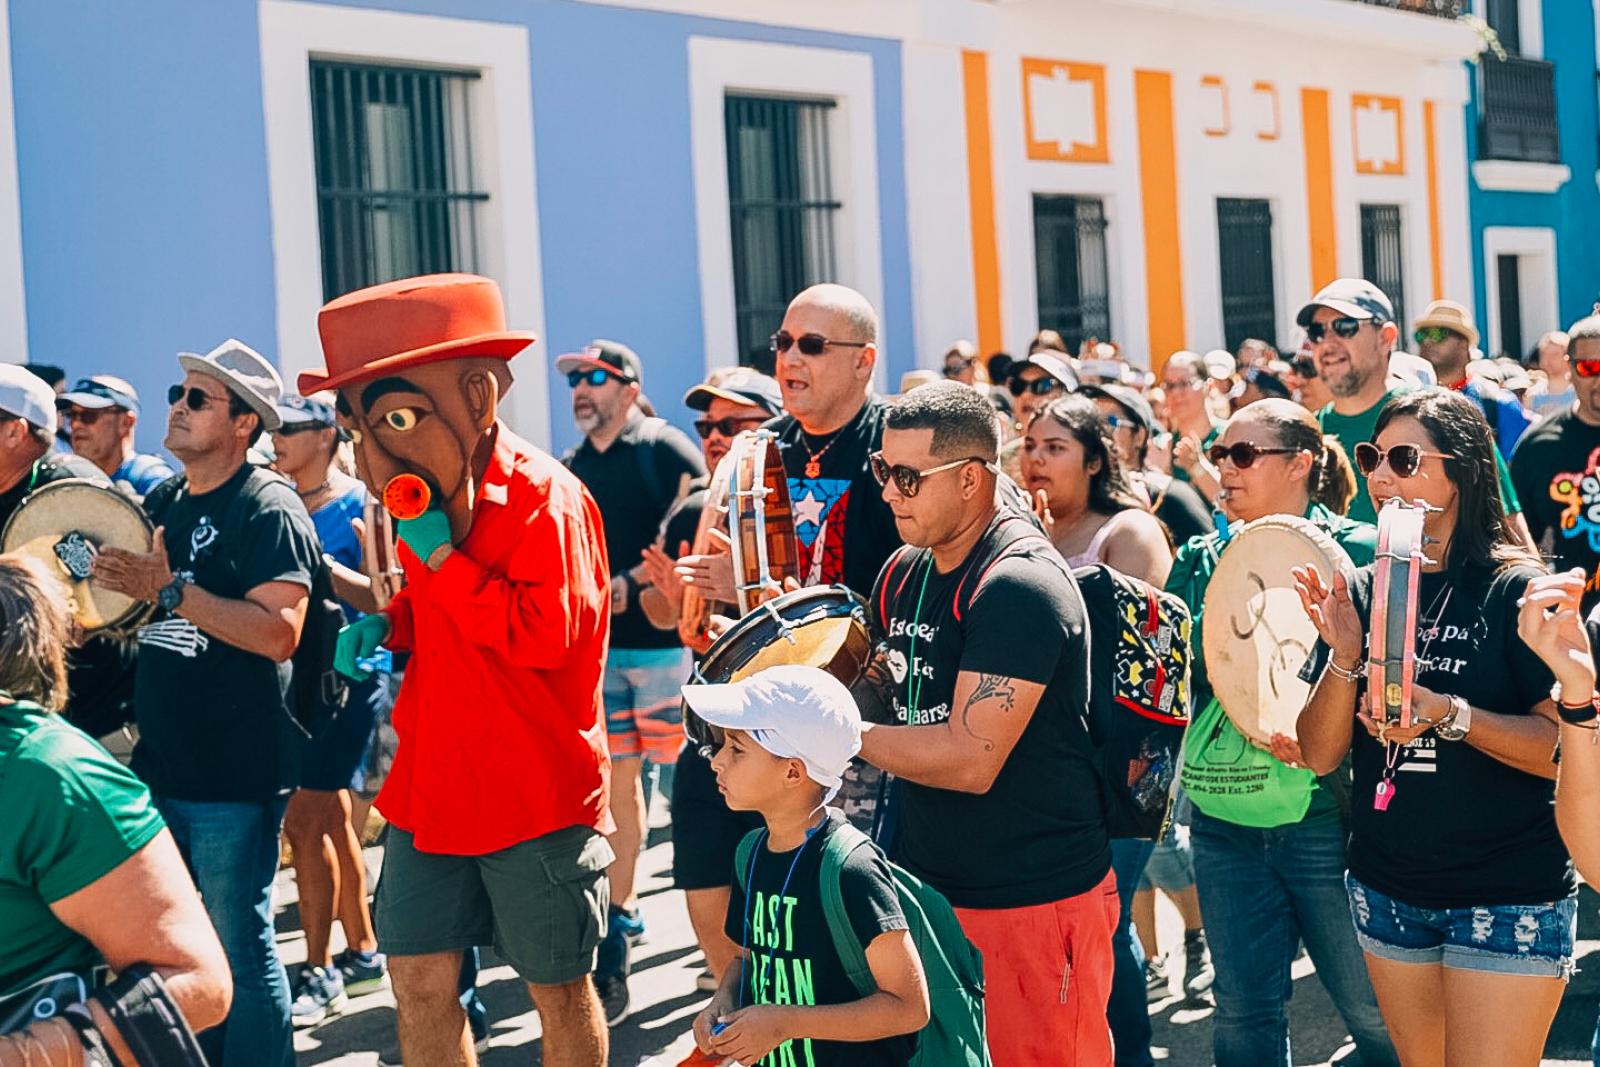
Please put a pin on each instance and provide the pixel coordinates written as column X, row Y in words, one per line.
column 1038, row 386
column 729, row 426
column 1243, row 454
column 1344, row 326
column 1404, row 460
column 809, row 344
column 908, row 480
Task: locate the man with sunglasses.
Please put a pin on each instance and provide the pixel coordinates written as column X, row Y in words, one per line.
column 984, row 677
column 101, row 413
column 1445, row 337
column 1040, row 378
column 636, row 467
column 1556, row 469
column 1350, row 327
column 230, row 575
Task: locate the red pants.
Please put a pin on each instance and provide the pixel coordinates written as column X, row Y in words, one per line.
column 1048, row 973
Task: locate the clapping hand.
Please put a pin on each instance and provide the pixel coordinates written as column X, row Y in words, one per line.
column 1550, row 622
column 140, row 575
column 1331, row 611
column 710, row 573
column 1041, row 509
column 1186, row 453
column 660, row 570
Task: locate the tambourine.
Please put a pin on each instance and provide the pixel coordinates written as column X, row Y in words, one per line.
column 1391, row 643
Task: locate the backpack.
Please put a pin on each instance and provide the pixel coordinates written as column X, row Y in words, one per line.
column 1139, row 674
column 316, row 690
column 955, row 1035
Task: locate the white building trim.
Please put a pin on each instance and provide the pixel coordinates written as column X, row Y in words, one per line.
column 1535, row 249
column 718, row 66
column 1511, row 176
column 502, row 117
column 13, row 294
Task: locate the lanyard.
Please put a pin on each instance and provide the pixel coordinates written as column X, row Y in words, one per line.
column 914, row 679
column 750, row 890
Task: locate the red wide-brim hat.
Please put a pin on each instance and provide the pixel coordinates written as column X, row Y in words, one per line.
column 410, row 322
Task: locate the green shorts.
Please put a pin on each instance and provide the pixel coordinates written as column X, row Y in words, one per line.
column 541, row 903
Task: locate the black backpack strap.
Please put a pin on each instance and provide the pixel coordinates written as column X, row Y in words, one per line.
column 888, row 586
column 1024, row 538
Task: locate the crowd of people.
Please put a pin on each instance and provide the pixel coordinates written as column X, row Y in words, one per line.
column 520, row 652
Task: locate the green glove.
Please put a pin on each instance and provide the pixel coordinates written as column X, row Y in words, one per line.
column 426, row 533
column 357, row 641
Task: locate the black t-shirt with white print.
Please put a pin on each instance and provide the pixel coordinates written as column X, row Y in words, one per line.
column 1462, row 829
column 780, row 922
column 1556, row 472
column 214, row 721
column 1038, row 834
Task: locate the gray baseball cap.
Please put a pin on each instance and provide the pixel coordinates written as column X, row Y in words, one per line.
column 1125, row 398
column 743, row 385
column 247, row 375
column 27, row 396
column 1356, row 297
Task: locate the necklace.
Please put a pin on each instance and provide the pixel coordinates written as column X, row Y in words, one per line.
column 314, row 490
column 814, row 457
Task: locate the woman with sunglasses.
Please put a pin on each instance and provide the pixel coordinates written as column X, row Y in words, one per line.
column 1462, row 891
column 1070, row 468
column 324, row 819
column 1270, row 867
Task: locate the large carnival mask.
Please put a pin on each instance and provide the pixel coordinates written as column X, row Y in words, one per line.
column 420, row 366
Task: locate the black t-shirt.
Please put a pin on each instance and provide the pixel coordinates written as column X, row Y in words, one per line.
column 1179, row 506
column 845, row 529
column 1039, row 834
column 1556, row 472
column 792, row 959
column 213, row 719
column 632, row 505
column 683, row 520
column 1462, row 828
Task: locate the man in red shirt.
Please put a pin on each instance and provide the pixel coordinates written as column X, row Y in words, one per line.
column 498, row 799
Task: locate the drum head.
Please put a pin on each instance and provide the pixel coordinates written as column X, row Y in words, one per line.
column 1256, row 635
column 62, row 525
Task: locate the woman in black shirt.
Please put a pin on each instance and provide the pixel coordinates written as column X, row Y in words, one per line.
column 1462, row 892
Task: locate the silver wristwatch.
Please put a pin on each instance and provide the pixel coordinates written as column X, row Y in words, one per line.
column 1457, row 724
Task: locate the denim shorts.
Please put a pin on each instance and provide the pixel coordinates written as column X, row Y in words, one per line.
column 1531, row 939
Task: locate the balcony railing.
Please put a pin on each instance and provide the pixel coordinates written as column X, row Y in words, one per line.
column 1444, row 9
column 1518, row 110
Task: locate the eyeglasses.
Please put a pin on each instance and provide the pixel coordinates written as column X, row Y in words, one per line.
column 809, row 344
column 1344, row 326
column 1404, row 460
column 908, row 480
column 84, row 416
column 1586, row 368
column 730, row 426
column 1432, row 335
column 1037, row 386
column 196, row 398
column 1243, row 454
column 595, row 377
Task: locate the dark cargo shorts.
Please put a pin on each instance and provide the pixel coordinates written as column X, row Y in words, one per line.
column 541, row 903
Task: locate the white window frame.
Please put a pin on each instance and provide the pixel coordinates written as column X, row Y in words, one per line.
column 13, row 292
column 1537, row 280
column 295, row 32
column 718, row 67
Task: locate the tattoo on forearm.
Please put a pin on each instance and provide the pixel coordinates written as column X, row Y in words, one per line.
column 989, row 687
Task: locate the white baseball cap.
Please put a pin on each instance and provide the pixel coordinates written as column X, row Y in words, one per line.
column 27, row 396
column 793, row 712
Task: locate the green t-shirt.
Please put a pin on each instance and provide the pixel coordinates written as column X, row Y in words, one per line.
column 69, row 814
column 1351, row 430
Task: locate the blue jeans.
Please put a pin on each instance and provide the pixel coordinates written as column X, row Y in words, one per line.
column 1128, row 1012
column 1262, row 892
column 232, row 852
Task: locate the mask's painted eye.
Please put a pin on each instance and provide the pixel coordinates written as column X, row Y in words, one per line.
column 403, row 419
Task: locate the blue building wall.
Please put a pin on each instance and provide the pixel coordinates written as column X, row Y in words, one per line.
column 146, row 219
column 1573, row 211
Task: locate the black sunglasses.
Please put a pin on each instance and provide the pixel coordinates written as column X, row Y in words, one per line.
column 194, row 397
column 908, row 480
column 1037, row 386
column 1344, row 326
column 290, row 429
column 809, row 344
column 1243, row 454
column 1404, row 460
column 728, row 426
column 595, row 377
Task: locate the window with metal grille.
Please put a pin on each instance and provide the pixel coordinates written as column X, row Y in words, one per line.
column 1383, row 261
column 396, row 192
column 782, row 207
column 1069, row 250
column 1244, row 245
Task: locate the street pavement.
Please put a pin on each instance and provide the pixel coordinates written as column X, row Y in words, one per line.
column 665, row 1000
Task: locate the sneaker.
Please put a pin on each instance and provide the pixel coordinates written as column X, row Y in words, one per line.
column 611, row 974
column 613, row 990
column 363, row 972
column 631, row 924
column 318, row 996
column 702, row 1059
column 1157, row 983
column 1197, row 960
column 706, row 982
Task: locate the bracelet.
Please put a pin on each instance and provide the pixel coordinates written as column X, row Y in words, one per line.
column 1354, row 674
column 1573, row 714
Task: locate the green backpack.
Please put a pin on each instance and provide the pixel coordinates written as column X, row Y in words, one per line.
column 954, row 1036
